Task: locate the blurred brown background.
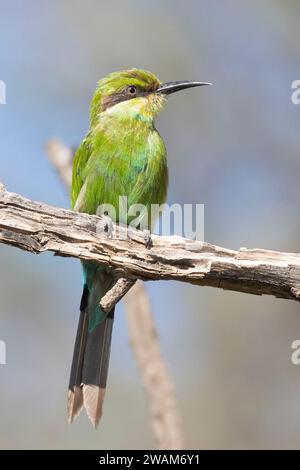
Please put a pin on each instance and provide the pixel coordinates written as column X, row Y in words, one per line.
column 234, row 147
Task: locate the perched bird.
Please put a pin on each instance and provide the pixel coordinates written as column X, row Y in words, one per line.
column 121, row 155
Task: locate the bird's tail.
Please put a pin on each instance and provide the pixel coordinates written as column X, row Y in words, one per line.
column 92, row 346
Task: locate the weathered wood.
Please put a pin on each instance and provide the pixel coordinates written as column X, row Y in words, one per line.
column 116, row 293
column 38, row 227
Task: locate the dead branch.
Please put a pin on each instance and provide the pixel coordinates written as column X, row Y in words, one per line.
column 116, row 293
column 61, row 158
column 38, row 227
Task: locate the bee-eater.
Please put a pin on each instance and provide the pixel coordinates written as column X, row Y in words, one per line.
column 121, row 155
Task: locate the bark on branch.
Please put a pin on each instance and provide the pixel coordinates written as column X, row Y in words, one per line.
column 38, row 227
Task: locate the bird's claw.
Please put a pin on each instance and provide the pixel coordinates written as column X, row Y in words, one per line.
column 108, row 225
column 148, row 239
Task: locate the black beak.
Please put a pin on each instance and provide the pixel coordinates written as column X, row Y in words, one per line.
column 171, row 87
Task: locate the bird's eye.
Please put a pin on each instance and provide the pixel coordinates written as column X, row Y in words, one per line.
column 132, row 90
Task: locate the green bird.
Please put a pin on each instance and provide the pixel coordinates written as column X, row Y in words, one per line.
column 121, row 155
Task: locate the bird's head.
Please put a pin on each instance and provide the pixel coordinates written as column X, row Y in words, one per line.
column 133, row 94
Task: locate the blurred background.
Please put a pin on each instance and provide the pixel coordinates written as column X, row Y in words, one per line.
column 234, row 147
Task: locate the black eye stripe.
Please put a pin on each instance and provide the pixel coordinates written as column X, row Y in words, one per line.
column 124, row 95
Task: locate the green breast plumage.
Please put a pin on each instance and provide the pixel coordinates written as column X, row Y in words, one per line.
column 120, row 158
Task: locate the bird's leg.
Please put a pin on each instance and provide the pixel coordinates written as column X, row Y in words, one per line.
column 148, row 239
column 108, row 225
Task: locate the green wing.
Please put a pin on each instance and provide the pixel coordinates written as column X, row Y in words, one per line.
column 81, row 158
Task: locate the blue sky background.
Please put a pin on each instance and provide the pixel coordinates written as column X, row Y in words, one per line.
column 234, row 147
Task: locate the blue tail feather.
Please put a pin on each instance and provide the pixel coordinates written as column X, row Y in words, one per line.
column 96, row 282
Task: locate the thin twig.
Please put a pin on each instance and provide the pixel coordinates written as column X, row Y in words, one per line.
column 116, row 293
column 61, row 158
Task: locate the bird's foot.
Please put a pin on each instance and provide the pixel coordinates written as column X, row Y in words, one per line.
column 148, row 239
column 108, row 225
